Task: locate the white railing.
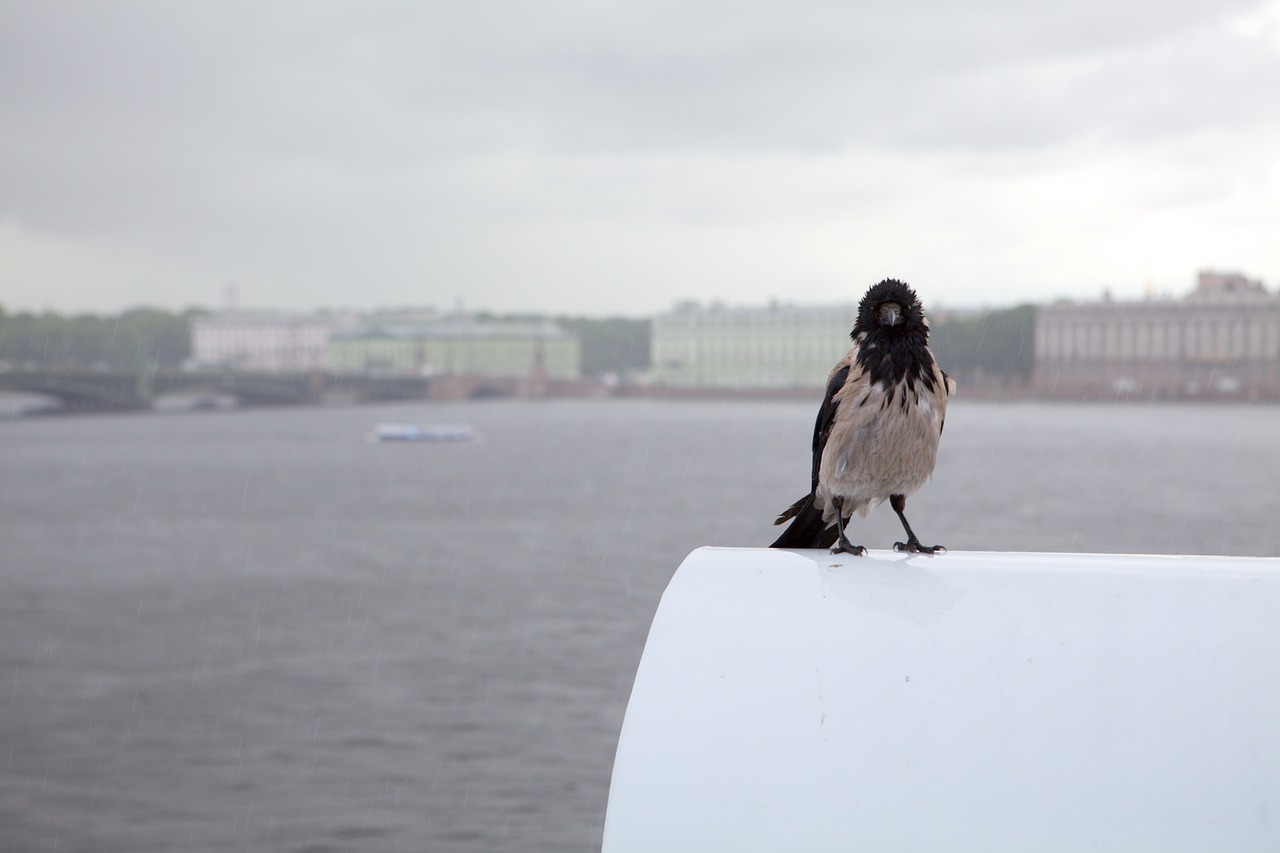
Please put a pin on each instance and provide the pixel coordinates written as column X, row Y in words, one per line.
column 795, row 700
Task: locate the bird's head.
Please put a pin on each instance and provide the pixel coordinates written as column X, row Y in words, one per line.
column 891, row 308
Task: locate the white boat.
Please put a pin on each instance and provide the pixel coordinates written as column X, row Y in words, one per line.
column 431, row 432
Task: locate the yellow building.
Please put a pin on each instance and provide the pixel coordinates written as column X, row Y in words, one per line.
column 456, row 346
column 778, row 346
column 1222, row 340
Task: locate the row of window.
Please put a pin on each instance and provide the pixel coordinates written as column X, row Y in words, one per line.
column 1098, row 371
column 1212, row 338
column 736, row 350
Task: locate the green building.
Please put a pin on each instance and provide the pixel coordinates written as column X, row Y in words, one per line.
column 456, row 346
column 779, row 346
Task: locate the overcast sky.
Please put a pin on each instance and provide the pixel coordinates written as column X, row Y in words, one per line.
column 595, row 157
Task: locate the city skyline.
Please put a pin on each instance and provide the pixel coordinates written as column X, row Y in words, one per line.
column 563, row 159
column 232, row 305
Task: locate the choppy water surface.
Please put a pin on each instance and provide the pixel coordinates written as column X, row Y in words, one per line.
column 258, row 631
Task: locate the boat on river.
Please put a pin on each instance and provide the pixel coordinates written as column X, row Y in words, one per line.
column 428, row 433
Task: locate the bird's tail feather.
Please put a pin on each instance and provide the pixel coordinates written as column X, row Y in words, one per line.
column 807, row 529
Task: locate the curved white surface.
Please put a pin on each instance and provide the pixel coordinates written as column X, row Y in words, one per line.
column 799, row 701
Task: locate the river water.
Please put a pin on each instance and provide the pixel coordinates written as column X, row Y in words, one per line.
column 257, row 630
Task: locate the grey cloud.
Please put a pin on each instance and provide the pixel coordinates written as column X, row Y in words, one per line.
column 302, row 77
column 387, row 135
column 934, row 80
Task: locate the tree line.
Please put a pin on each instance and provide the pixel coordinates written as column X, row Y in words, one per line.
column 127, row 341
column 997, row 344
column 151, row 337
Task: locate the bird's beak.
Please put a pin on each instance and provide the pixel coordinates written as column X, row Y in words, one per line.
column 890, row 314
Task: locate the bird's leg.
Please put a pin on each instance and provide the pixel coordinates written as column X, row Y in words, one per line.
column 843, row 545
column 912, row 545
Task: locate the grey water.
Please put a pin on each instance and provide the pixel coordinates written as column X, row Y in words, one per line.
column 257, row 630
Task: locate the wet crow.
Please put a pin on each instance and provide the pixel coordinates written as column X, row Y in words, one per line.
column 877, row 432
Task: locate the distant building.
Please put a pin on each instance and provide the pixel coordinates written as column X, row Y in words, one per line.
column 455, row 346
column 778, row 346
column 1223, row 339
column 272, row 342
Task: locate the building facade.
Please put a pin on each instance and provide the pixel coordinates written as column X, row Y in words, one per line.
column 266, row 342
column 778, row 346
column 1223, row 340
column 456, row 346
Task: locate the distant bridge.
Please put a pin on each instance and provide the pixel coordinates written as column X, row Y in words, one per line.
column 96, row 391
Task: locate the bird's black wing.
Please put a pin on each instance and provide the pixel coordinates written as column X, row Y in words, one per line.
column 807, row 528
column 826, row 417
column 948, row 388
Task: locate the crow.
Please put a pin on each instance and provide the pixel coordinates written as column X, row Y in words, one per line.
column 877, row 431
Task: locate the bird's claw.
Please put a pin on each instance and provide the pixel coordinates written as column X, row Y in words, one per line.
column 845, row 548
column 917, row 548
